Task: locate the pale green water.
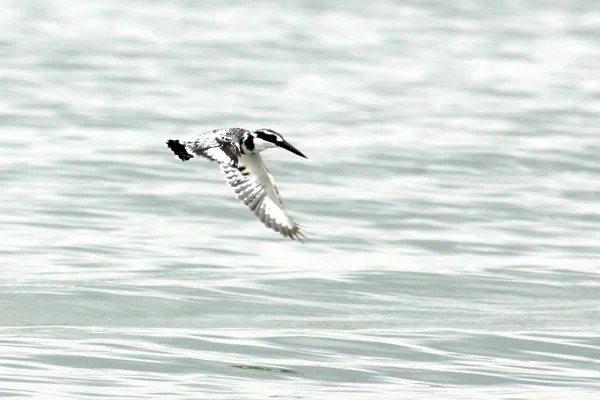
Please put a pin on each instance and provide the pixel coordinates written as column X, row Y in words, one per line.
column 451, row 195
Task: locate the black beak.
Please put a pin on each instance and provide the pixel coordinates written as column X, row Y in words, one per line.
column 289, row 147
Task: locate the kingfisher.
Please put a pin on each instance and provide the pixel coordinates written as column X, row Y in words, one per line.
column 237, row 151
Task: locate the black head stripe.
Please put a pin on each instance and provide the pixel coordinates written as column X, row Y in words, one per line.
column 249, row 143
column 267, row 135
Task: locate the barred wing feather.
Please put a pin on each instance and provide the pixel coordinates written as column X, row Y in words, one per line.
column 254, row 186
column 221, row 151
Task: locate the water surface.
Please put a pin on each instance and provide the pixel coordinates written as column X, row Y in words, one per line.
column 450, row 198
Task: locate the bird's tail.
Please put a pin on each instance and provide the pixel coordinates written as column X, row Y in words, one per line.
column 179, row 149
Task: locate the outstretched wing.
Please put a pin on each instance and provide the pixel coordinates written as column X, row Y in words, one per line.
column 254, row 186
column 216, row 146
column 222, row 151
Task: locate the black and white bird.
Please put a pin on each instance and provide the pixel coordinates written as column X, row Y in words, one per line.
column 237, row 151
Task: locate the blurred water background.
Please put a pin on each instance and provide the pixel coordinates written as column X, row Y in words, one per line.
column 451, row 199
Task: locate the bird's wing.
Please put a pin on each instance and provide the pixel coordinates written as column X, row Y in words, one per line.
column 216, row 145
column 254, row 186
column 223, row 151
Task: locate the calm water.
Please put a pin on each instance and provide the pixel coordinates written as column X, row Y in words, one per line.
column 451, row 197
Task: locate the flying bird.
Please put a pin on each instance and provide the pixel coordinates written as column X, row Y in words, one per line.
column 238, row 151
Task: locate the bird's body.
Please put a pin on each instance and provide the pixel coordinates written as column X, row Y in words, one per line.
column 237, row 151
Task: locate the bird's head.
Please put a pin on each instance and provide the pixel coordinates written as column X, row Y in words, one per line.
column 263, row 139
